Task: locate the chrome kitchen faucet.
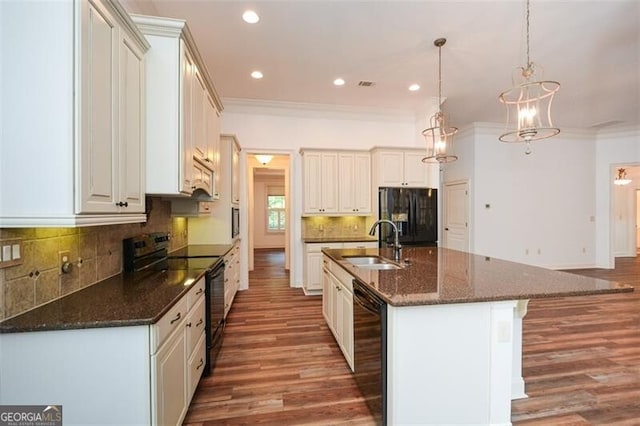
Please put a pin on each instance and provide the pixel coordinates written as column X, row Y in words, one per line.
column 396, row 244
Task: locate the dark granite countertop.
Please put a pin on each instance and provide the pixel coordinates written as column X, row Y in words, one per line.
column 126, row 299
column 437, row 276
column 365, row 239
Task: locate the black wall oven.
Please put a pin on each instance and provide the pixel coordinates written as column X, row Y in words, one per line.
column 370, row 349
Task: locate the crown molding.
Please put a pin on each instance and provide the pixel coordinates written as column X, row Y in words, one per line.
column 313, row 110
column 619, row 132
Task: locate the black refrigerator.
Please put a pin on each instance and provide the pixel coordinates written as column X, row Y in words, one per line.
column 415, row 213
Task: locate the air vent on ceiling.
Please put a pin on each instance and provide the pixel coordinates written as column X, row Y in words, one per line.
column 366, row 84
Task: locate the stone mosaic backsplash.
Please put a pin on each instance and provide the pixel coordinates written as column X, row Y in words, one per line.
column 330, row 227
column 95, row 254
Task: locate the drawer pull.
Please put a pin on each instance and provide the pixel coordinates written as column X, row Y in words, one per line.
column 200, row 291
column 176, row 318
column 199, row 322
column 200, row 365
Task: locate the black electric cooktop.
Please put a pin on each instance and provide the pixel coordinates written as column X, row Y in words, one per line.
column 201, row 250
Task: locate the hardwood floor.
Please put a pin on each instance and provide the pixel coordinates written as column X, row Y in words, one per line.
column 581, row 356
column 279, row 363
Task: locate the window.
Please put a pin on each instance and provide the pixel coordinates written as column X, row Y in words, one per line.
column 275, row 209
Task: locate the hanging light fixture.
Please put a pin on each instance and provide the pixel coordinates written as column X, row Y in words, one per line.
column 439, row 136
column 528, row 103
column 264, row 159
column 621, row 178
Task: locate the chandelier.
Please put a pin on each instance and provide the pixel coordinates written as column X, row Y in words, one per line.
column 621, row 178
column 528, row 103
column 439, row 136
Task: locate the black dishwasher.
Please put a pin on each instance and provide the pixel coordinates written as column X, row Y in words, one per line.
column 370, row 349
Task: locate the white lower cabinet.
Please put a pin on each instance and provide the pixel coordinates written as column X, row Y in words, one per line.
column 231, row 276
column 146, row 373
column 178, row 364
column 337, row 306
column 168, row 363
column 313, row 262
column 313, row 265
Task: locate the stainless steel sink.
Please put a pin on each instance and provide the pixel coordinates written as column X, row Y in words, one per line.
column 372, row 262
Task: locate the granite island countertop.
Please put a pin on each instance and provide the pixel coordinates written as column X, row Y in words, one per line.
column 437, row 275
column 361, row 239
column 126, row 299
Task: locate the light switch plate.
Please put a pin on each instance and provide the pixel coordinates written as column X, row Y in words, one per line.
column 6, row 253
column 10, row 252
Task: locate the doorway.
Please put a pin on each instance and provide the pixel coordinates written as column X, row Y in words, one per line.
column 456, row 216
column 626, row 212
column 268, row 207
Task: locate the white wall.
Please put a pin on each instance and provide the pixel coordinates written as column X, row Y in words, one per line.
column 262, row 238
column 540, row 205
column 613, row 148
column 286, row 128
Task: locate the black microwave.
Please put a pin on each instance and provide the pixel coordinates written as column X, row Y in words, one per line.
column 235, row 222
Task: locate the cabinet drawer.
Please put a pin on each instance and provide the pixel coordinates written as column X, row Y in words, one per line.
column 195, row 293
column 195, row 324
column 168, row 323
column 195, row 367
column 343, row 276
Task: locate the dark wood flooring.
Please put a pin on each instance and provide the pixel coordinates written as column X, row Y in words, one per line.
column 279, row 363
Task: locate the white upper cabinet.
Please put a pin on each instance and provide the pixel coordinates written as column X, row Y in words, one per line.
column 336, row 182
column 235, row 173
column 212, row 135
column 183, row 113
column 79, row 126
column 403, row 168
column 320, row 182
column 354, row 189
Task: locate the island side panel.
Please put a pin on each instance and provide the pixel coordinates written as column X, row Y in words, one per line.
column 450, row 364
column 98, row 375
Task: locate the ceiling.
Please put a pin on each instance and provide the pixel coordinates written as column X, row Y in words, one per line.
column 591, row 47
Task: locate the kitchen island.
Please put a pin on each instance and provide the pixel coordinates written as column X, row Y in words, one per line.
column 454, row 329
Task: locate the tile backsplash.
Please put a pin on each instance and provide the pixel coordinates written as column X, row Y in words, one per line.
column 94, row 252
column 329, row 227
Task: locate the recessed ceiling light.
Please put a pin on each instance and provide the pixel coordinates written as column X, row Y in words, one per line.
column 414, row 87
column 250, row 17
column 257, row 75
column 338, row 82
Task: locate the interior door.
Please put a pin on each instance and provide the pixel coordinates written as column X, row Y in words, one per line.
column 456, row 216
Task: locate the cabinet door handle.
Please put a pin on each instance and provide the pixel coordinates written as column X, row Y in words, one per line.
column 121, row 204
column 176, row 318
column 199, row 322
column 189, row 324
column 200, row 365
column 199, row 292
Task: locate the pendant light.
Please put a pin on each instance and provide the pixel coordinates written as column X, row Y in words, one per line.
column 621, row 178
column 439, row 136
column 528, row 103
